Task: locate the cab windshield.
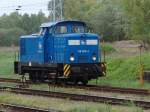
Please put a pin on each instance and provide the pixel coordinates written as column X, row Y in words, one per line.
column 78, row 29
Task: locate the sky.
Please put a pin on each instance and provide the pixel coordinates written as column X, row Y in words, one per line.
column 27, row 6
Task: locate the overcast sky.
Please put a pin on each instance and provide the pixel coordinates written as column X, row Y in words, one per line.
column 28, row 6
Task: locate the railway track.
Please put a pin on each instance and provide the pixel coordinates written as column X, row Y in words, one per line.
column 18, row 108
column 109, row 89
column 91, row 87
column 13, row 80
column 78, row 97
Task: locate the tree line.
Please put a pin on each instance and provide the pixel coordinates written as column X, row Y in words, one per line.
column 112, row 19
column 14, row 25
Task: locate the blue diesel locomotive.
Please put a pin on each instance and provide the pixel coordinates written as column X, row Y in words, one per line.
column 62, row 51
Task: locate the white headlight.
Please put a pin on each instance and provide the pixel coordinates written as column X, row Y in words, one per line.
column 71, row 58
column 94, row 58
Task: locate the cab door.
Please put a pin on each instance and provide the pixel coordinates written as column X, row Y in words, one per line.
column 49, row 46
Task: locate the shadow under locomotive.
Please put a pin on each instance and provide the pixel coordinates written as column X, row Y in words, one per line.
column 61, row 72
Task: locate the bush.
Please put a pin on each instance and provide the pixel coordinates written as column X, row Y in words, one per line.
column 108, row 48
column 10, row 36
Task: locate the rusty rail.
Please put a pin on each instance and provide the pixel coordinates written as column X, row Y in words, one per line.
column 79, row 97
column 91, row 87
column 10, row 80
column 108, row 89
column 19, row 108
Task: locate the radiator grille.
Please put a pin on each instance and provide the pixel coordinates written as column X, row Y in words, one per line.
column 83, row 59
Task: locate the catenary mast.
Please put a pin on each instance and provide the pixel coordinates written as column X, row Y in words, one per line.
column 56, row 10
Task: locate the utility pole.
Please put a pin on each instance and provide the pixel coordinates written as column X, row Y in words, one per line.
column 141, row 66
column 56, row 10
column 61, row 9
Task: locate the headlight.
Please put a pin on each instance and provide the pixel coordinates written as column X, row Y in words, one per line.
column 94, row 58
column 71, row 58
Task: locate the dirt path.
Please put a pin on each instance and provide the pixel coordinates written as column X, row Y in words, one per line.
column 127, row 48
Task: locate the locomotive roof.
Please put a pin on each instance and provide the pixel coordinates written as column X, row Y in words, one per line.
column 49, row 24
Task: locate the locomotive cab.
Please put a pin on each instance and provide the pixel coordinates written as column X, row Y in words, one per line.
column 62, row 51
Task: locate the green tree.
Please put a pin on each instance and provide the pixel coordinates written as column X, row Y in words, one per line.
column 138, row 12
column 78, row 9
column 108, row 20
column 14, row 25
column 104, row 17
column 10, row 36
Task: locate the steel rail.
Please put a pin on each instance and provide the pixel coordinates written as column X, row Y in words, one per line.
column 20, row 108
column 90, row 87
column 79, row 97
column 10, row 80
column 14, row 80
column 107, row 89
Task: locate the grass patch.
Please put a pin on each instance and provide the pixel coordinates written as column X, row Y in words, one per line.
column 6, row 63
column 124, row 72
column 108, row 48
column 7, row 57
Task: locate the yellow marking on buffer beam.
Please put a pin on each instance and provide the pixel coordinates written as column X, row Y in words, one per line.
column 66, row 70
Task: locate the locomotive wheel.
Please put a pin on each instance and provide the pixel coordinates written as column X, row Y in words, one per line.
column 40, row 76
column 84, row 80
column 30, row 77
column 76, row 81
column 33, row 77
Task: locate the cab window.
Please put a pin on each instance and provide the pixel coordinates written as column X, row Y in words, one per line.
column 78, row 29
column 61, row 29
column 50, row 30
column 42, row 31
